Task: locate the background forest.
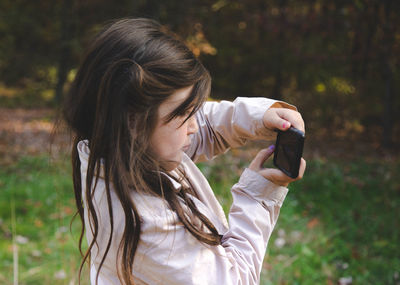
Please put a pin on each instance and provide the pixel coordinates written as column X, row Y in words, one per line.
column 337, row 61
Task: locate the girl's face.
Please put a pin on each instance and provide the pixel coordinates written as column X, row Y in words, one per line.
column 171, row 139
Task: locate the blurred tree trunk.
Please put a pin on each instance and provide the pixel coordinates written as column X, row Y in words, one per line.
column 388, row 107
column 277, row 90
column 387, row 72
column 371, row 30
column 66, row 37
column 366, row 24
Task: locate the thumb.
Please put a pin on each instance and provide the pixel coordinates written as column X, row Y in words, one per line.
column 261, row 157
column 281, row 124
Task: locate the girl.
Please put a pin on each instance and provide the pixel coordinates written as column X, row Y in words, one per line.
column 137, row 108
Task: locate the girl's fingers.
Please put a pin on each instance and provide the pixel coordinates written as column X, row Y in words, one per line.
column 261, row 157
column 275, row 120
column 282, row 124
column 279, row 178
column 274, row 175
column 302, row 168
column 290, row 116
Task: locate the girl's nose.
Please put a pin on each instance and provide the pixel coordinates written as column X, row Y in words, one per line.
column 192, row 125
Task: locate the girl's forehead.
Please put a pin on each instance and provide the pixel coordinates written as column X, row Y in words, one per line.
column 179, row 96
column 176, row 99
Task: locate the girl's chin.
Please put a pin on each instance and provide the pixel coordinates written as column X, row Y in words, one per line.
column 172, row 164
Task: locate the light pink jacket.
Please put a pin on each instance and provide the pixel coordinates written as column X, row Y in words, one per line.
column 167, row 253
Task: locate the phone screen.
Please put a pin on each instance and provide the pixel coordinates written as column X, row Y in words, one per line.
column 288, row 151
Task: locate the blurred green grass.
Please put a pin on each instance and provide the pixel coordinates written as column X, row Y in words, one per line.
column 37, row 191
column 340, row 221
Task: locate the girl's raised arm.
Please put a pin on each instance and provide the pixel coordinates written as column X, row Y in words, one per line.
column 225, row 124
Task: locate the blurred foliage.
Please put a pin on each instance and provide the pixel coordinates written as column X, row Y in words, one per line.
column 337, row 61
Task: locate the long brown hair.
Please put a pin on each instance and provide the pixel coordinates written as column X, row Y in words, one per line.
column 131, row 67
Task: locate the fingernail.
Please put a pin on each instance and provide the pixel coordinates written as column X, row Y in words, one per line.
column 284, row 125
column 271, row 147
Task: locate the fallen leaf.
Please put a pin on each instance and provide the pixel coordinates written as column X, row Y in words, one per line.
column 313, row 223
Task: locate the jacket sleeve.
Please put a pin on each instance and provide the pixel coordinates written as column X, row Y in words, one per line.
column 169, row 254
column 226, row 124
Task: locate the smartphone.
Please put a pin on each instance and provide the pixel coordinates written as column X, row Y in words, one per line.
column 288, row 151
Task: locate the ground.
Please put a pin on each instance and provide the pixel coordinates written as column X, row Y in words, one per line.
column 29, row 132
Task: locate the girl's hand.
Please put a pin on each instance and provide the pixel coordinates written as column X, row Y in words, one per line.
column 282, row 119
column 274, row 175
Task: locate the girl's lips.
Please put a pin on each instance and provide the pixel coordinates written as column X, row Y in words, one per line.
column 186, row 147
